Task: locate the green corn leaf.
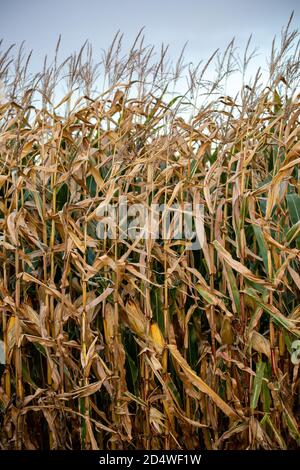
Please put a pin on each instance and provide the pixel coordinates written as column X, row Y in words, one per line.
column 257, row 385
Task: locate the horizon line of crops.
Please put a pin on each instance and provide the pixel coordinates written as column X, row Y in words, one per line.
column 144, row 344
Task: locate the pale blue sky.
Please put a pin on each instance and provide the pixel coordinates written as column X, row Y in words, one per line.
column 206, row 25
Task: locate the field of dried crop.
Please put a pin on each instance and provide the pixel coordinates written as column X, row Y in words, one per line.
column 142, row 343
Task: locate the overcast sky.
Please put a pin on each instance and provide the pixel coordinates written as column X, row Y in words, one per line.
column 206, row 25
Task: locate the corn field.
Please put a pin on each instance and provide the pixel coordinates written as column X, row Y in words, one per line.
column 143, row 343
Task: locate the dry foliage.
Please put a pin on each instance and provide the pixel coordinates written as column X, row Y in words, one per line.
column 130, row 344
